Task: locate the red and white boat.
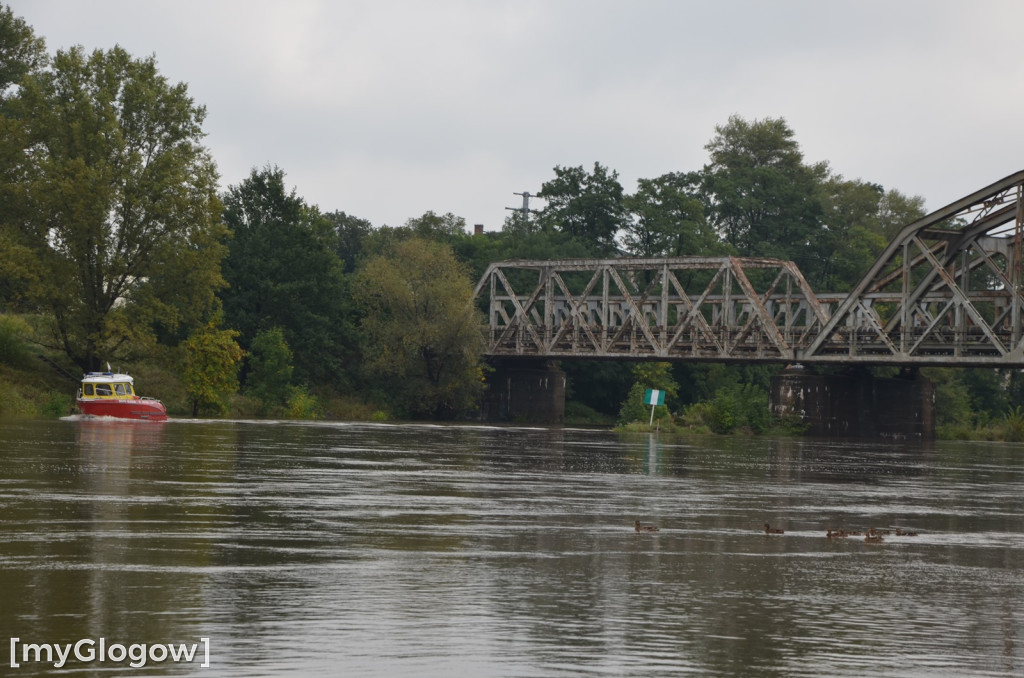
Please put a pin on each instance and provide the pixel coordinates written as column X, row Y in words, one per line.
column 107, row 394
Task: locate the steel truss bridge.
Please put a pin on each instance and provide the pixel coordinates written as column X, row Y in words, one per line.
column 946, row 291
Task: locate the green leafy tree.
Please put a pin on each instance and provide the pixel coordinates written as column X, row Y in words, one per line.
column 588, row 206
column 859, row 219
column 14, row 334
column 210, row 372
column 896, row 210
column 952, row 401
column 851, row 239
column 1015, row 387
column 700, row 381
column 270, row 368
column 283, row 271
column 479, row 251
column 350, row 234
column 110, row 204
column 21, row 52
column 423, row 338
column 302, row 404
column 668, row 218
column 987, row 390
column 542, row 244
column 444, row 228
column 763, row 199
column 447, row 229
column 741, row 407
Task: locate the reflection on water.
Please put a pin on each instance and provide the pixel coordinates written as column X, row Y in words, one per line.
column 375, row 550
column 105, row 438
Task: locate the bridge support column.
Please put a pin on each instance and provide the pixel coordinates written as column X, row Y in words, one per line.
column 528, row 392
column 857, row 405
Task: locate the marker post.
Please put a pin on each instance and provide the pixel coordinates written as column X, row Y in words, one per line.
column 653, row 397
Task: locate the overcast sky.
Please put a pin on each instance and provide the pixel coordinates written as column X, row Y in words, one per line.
column 387, row 109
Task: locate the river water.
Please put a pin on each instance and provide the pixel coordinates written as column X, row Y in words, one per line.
column 402, row 550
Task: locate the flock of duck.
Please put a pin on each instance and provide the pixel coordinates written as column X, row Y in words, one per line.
column 872, row 536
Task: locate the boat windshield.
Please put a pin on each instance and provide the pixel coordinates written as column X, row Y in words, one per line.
column 118, row 389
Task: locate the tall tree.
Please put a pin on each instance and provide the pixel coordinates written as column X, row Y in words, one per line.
column 589, row 206
column 350, row 234
column 270, row 369
column 21, row 52
column 896, row 210
column 763, row 198
column 851, row 239
column 210, row 369
column 282, row 271
column 668, row 218
column 423, row 337
column 447, row 229
column 444, row 228
column 859, row 219
column 111, row 197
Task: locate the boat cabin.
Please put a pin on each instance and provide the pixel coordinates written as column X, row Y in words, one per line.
column 107, row 385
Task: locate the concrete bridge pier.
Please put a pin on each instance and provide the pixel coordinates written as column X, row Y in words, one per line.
column 525, row 391
column 856, row 404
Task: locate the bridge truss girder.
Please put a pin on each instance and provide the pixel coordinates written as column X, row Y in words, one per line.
column 695, row 308
column 946, row 290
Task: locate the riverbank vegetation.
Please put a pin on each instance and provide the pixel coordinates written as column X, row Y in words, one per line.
column 118, row 248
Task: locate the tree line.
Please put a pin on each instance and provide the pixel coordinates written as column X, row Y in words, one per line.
column 118, row 247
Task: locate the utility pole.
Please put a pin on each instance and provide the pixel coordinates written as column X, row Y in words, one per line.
column 525, row 209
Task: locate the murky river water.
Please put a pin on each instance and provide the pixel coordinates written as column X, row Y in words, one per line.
column 374, row 550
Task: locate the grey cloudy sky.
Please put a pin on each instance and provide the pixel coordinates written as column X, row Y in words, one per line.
column 386, row 109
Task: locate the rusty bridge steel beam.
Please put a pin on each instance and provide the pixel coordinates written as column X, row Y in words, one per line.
column 945, row 291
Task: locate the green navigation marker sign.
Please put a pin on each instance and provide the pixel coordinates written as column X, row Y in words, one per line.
column 654, row 397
